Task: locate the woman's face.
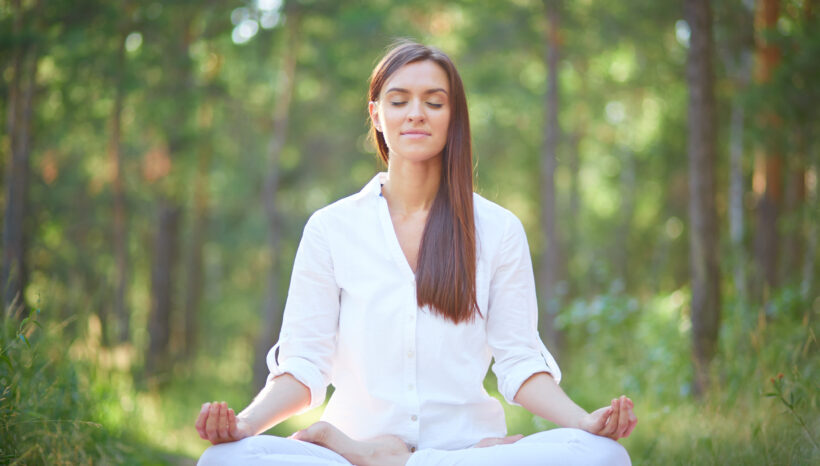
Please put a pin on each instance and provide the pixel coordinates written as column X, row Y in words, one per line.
column 413, row 111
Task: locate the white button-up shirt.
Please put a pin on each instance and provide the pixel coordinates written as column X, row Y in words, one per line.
column 351, row 319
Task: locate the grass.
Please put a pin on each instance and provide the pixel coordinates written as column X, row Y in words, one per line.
column 76, row 402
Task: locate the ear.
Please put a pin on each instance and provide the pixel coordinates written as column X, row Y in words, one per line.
column 373, row 109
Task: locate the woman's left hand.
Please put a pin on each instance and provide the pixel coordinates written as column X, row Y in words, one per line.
column 614, row 421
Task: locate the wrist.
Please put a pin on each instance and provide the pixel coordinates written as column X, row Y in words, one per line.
column 247, row 426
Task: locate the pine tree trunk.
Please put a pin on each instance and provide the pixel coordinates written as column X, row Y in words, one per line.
column 195, row 273
column 736, row 189
column 164, row 323
column 13, row 277
column 272, row 311
column 769, row 166
column 574, row 208
column 120, row 232
column 793, row 201
column 703, row 234
column 550, row 261
column 628, row 180
column 162, row 286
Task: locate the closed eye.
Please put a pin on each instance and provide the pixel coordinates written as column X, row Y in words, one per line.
column 431, row 104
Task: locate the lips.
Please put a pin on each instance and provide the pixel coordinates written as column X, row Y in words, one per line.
column 415, row 133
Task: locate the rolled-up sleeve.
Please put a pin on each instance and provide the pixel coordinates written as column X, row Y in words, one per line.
column 308, row 337
column 512, row 323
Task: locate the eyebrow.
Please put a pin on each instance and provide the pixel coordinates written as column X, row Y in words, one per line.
column 428, row 91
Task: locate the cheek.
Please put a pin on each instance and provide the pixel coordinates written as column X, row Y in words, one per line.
column 443, row 122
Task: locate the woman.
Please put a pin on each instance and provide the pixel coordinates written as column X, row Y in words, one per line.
column 400, row 296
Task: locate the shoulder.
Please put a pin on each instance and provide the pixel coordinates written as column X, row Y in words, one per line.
column 498, row 230
column 344, row 213
column 491, row 217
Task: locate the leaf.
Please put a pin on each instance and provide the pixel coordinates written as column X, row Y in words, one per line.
column 6, row 359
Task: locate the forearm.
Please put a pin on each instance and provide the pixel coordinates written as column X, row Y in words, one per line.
column 280, row 399
column 542, row 396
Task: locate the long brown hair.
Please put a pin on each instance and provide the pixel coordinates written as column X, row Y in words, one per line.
column 446, row 271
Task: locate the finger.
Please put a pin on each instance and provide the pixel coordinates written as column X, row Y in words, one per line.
column 633, row 420
column 612, row 422
column 200, row 420
column 211, row 423
column 493, row 441
column 222, row 426
column 623, row 419
column 233, row 426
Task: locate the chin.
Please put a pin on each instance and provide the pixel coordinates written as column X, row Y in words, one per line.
column 419, row 157
column 417, row 154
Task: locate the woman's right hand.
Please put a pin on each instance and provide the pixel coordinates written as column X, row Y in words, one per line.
column 218, row 424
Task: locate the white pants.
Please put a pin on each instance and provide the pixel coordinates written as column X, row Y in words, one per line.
column 551, row 447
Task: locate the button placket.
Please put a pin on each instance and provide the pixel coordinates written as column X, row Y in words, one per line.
column 411, row 363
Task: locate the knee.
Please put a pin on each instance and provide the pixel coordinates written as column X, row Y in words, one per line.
column 213, row 456
column 223, row 454
column 616, row 454
column 605, row 451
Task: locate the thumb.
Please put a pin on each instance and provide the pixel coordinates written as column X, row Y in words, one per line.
column 598, row 418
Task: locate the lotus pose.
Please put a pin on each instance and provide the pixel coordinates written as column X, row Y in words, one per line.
column 401, row 295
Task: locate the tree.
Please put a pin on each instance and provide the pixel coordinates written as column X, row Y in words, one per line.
column 550, row 262
column 703, row 233
column 18, row 126
column 769, row 163
column 272, row 312
column 120, row 232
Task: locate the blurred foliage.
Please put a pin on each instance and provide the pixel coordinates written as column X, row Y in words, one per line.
column 201, row 77
column 59, row 407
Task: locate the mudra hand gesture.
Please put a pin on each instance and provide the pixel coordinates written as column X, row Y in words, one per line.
column 614, row 421
column 218, row 424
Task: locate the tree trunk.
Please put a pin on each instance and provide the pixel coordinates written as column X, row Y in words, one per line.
column 793, row 201
column 770, row 163
column 272, row 311
column 195, row 275
column 808, row 290
column 162, row 285
column 703, row 233
column 21, row 96
column 550, row 262
column 120, row 232
column 628, row 179
column 573, row 219
column 736, row 189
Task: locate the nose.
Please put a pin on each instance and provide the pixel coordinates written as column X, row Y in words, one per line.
column 416, row 112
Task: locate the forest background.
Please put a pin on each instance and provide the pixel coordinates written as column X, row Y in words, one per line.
column 160, row 160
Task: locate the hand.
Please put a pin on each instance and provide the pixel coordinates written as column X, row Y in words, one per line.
column 218, row 424
column 614, row 421
column 493, row 441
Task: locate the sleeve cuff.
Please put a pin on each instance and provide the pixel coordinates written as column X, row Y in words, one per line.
column 302, row 370
column 509, row 386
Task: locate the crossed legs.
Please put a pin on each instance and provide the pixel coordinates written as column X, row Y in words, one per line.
column 324, row 444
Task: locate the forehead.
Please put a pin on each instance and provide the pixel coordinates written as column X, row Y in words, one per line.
column 418, row 76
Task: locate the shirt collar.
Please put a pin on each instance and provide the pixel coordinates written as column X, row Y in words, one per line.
column 374, row 187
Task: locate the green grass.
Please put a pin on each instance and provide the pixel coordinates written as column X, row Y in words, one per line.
column 76, row 402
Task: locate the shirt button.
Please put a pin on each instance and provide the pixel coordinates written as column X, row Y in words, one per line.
column 414, row 418
column 410, row 387
column 409, row 354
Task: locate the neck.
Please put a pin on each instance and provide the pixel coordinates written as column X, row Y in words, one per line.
column 411, row 187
